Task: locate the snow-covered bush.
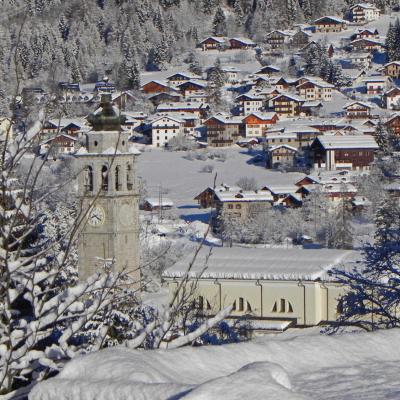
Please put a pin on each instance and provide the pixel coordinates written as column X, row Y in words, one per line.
column 208, row 168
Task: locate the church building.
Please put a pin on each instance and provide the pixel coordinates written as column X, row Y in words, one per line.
column 273, row 287
column 109, row 233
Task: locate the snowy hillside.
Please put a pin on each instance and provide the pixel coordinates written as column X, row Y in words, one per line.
column 297, row 365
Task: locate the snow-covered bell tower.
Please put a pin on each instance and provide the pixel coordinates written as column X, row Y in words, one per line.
column 109, row 196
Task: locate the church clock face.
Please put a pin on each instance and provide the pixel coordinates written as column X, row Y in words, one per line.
column 96, row 216
column 126, row 215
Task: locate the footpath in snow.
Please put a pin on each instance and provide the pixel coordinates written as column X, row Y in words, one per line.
column 298, row 365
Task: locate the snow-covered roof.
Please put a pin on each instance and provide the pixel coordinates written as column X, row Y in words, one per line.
column 286, row 146
column 281, row 135
column 249, row 96
column 193, row 82
column 259, row 263
column 317, row 82
column 225, row 119
column 263, row 116
column 244, row 40
column 181, row 105
column 290, row 96
column 361, row 103
column 392, row 62
column 332, row 18
column 155, row 202
column 280, row 188
column 365, row 6
column 244, row 196
column 170, row 117
column 215, row 38
column 373, row 41
column 348, row 142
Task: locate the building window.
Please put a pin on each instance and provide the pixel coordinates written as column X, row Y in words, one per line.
column 129, row 182
column 118, row 185
column 230, row 206
column 241, row 305
column 238, row 206
column 104, row 178
column 282, row 306
column 201, row 304
column 89, row 179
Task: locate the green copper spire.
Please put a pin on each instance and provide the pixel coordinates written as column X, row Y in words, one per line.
column 108, row 119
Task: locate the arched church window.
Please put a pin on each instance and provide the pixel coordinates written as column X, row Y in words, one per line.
column 241, row 305
column 89, row 179
column 118, row 184
column 129, row 182
column 283, row 306
column 104, row 178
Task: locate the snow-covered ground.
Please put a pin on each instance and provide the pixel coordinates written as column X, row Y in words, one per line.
column 184, row 180
column 302, row 364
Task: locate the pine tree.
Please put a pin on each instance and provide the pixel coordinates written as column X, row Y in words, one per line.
column 390, row 43
column 382, row 138
column 209, row 6
column 216, row 82
column 343, row 235
column 63, row 27
column 239, row 14
column 306, row 8
column 373, row 296
column 396, row 47
column 219, row 23
column 312, row 60
column 194, row 64
column 291, row 11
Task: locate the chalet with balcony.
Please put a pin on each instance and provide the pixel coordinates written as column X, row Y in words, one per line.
column 206, row 198
column 315, row 90
column 358, row 110
column 280, row 155
column 239, row 43
column 200, row 110
column 300, row 39
column 213, row 43
column 370, row 45
column 287, row 105
column 223, row 131
column 279, row 191
column 277, row 40
column 375, row 84
column 280, row 83
column 362, row 13
column 58, row 145
column 393, row 123
column 329, row 24
column 269, row 70
column 164, row 128
column 391, row 99
column 305, row 135
column 392, row 69
column 256, row 124
column 361, row 60
column 249, row 103
column 365, row 33
column 240, row 205
column 180, row 77
column 274, row 139
column 155, row 87
column 164, row 97
column 355, row 152
column 191, row 87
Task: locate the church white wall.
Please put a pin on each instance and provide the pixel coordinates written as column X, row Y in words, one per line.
column 307, row 303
